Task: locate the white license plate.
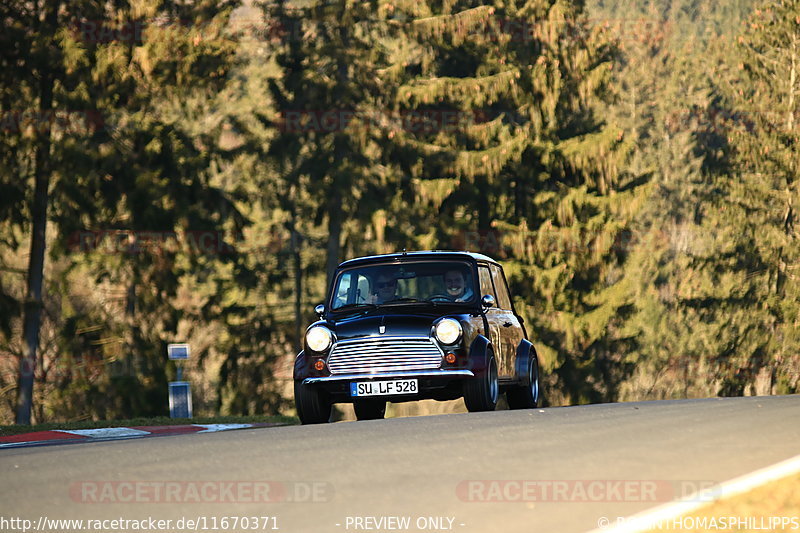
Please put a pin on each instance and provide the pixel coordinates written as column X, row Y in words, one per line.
column 384, row 388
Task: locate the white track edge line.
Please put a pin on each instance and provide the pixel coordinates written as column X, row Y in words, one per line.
column 105, row 432
column 213, row 428
column 650, row 518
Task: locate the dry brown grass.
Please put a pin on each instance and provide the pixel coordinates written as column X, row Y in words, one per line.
column 756, row 511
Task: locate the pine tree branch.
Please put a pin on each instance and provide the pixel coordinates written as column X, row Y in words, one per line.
column 474, row 92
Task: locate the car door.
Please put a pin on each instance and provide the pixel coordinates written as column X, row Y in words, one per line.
column 510, row 328
column 494, row 318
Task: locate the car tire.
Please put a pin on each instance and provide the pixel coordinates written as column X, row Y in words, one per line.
column 526, row 396
column 481, row 392
column 369, row 409
column 313, row 405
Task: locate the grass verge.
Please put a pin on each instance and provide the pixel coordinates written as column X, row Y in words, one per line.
column 771, row 507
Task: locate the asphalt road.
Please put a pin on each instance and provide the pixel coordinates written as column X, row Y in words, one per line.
column 544, row 470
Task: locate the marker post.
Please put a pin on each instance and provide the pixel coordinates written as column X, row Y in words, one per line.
column 180, row 394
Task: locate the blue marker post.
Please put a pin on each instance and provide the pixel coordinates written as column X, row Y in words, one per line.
column 180, row 394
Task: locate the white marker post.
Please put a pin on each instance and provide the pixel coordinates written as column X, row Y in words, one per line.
column 180, row 394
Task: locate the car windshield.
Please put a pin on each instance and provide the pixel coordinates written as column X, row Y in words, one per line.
column 409, row 283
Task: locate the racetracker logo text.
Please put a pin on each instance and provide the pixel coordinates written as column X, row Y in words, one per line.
column 133, row 492
column 582, row 490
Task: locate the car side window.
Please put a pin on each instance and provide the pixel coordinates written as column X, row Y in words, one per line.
column 486, row 282
column 363, row 290
column 503, row 298
column 340, row 298
column 351, row 288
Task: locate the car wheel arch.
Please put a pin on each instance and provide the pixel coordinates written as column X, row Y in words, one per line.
column 525, row 350
column 479, row 353
column 301, row 366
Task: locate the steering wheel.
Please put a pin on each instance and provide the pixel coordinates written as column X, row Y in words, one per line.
column 440, row 297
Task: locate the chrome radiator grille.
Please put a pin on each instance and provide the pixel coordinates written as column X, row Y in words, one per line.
column 384, row 354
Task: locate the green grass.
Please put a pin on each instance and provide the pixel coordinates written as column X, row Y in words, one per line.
column 158, row 421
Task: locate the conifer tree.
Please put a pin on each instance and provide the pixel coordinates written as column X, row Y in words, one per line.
column 328, row 101
column 112, row 150
column 761, row 251
column 528, row 159
column 662, row 92
column 681, row 326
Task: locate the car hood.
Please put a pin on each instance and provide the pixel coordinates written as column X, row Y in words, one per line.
column 405, row 324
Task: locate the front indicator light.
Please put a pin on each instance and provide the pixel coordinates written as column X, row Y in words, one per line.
column 319, row 366
column 450, row 358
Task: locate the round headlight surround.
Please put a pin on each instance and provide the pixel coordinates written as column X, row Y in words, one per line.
column 319, row 339
column 448, row 331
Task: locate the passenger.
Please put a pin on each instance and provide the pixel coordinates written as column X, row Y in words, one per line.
column 385, row 289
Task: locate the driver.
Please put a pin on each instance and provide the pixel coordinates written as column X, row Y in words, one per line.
column 385, row 289
column 456, row 286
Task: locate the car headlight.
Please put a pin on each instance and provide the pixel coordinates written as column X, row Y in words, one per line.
column 448, row 331
column 319, row 338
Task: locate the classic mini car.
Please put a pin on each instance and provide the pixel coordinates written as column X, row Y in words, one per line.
column 411, row 326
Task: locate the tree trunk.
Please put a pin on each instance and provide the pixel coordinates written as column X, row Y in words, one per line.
column 484, row 210
column 298, row 283
column 335, row 213
column 334, row 232
column 792, row 84
column 33, row 297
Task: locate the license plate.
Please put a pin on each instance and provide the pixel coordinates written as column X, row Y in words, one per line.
column 383, row 388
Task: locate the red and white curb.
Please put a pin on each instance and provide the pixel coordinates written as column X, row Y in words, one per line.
column 83, row 435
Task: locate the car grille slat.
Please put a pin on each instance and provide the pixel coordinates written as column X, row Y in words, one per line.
column 372, row 355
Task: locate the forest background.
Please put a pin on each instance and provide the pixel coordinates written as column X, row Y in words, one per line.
column 193, row 171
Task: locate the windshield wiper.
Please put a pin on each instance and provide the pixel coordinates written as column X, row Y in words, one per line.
column 350, row 307
column 408, row 301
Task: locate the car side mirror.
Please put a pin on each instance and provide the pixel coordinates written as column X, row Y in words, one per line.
column 487, row 300
column 320, row 310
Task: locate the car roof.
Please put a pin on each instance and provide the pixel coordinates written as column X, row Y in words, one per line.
column 427, row 254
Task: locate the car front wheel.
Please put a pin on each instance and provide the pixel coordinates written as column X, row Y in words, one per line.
column 313, row 405
column 481, row 392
